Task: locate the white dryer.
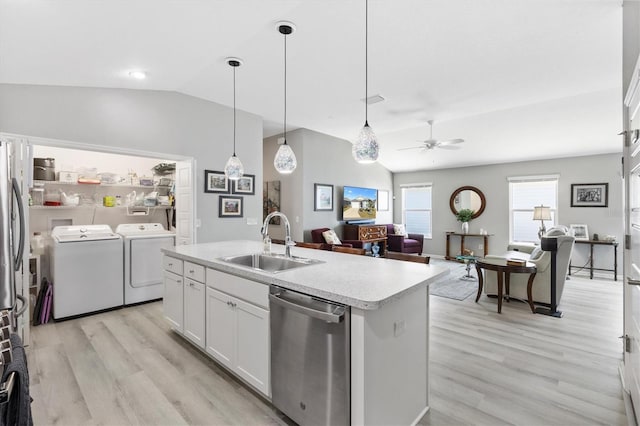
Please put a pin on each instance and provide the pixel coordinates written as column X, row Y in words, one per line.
column 86, row 268
column 143, row 272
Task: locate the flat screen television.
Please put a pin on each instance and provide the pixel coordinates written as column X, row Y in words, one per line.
column 359, row 204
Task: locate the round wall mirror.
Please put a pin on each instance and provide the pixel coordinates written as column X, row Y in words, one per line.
column 468, row 197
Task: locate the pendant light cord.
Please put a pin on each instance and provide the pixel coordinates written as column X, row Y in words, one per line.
column 366, row 62
column 234, row 111
column 285, row 89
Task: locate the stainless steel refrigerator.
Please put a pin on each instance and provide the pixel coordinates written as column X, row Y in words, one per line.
column 13, row 228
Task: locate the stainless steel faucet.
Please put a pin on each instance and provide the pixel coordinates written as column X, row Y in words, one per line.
column 287, row 230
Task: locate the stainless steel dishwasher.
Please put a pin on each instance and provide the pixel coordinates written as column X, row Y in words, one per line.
column 310, row 358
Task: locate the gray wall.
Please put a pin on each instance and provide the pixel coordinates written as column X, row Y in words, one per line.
column 327, row 160
column 157, row 121
column 492, row 180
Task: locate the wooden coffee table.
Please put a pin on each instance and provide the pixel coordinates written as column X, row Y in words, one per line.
column 504, row 271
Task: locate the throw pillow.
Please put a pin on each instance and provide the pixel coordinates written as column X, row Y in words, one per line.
column 556, row 231
column 536, row 253
column 400, row 230
column 330, row 237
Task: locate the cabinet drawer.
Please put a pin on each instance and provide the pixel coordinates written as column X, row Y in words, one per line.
column 370, row 232
column 193, row 271
column 242, row 288
column 172, row 264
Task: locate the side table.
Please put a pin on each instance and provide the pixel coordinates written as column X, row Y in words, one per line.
column 503, row 270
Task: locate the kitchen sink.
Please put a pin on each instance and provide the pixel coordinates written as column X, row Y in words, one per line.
column 270, row 262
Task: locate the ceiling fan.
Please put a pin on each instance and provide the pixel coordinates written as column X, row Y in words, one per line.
column 432, row 143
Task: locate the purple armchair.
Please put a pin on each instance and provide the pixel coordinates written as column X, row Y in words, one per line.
column 411, row 244
column 317, row 237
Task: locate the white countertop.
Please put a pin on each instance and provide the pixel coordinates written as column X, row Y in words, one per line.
column 360, row 281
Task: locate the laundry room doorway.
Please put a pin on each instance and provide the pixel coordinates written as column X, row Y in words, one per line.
column 71, row 183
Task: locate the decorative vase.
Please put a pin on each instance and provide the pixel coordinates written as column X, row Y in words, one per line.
column 465, row 227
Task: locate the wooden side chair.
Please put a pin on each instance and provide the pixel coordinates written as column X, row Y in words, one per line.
column 316, row 246
column 407, row 257
column 349, row 250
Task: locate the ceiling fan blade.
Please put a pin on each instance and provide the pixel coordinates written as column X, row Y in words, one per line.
column 450, row 141
column 411, row 147
column 449, row 147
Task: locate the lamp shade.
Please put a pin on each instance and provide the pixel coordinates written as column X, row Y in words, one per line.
column 366, row 149
column 285, row 161
column 234, row 168
column 541, row 213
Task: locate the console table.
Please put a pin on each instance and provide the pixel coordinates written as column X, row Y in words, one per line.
column 592, row 243
column 368, row 234
column 485, row 238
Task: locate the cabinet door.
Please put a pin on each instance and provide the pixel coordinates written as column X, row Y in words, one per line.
column 172, row 303
column 194, row 320
column 221, row 325
column 252, row 345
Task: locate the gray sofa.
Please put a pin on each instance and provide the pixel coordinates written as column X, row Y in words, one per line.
column 542, row 283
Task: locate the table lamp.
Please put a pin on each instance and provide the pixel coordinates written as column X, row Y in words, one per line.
column 541, row 213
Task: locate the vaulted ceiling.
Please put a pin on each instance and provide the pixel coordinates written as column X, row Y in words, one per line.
column 517, row 79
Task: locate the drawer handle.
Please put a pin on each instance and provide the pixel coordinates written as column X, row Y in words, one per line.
column 191, row 271
column 178, row 281
column 631, row 281
column 191, row 285
column 170, row 264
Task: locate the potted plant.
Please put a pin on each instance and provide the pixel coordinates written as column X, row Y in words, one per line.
column 464, row 216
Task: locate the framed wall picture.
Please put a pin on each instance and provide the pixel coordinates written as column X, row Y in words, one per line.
column 580, row 232
column 589, row 195
column 230, row 206
column 244, row 185
column 271, row 200
column 323, row 199
column 215, row 181
column 383, row 200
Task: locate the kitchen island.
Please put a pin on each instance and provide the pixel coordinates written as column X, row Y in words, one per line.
column 223, row 309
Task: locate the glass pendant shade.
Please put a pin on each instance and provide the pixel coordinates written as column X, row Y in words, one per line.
column 366, row 149
column 285, row 161
column 234, row 168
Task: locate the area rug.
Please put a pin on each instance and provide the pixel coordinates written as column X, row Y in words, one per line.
column 453, row 285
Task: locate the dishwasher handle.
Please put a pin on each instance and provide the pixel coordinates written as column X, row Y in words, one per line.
column 335, row 317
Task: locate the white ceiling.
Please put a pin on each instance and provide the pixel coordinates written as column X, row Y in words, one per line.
column 517, row 79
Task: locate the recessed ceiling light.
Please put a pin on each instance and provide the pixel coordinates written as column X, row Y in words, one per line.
column 138, row 75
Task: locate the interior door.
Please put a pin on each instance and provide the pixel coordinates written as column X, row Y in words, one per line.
column 632, row 243
column 185, row 205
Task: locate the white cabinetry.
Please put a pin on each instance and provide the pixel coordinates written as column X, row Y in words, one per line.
column 194, row 306
column 173, row 301
column 238, row 331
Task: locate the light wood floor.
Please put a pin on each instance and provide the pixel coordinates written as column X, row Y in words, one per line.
column 126, row 367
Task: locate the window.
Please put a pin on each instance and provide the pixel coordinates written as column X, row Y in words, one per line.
column 416, row 209
column 524, row 194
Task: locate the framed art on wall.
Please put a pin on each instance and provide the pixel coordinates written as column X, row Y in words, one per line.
column 244, row 185
column 323, row 199
column 580, row 232
column 230, row 206
column 589, row 195
column 383, row 200
column 271, row 200
column 215, row 181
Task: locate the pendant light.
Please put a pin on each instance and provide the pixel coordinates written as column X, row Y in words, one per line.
column 366, row 149
column 285, row 161
column 234, row 168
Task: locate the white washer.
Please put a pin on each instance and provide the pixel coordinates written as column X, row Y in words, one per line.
column 86, row 266
column 143, row 272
